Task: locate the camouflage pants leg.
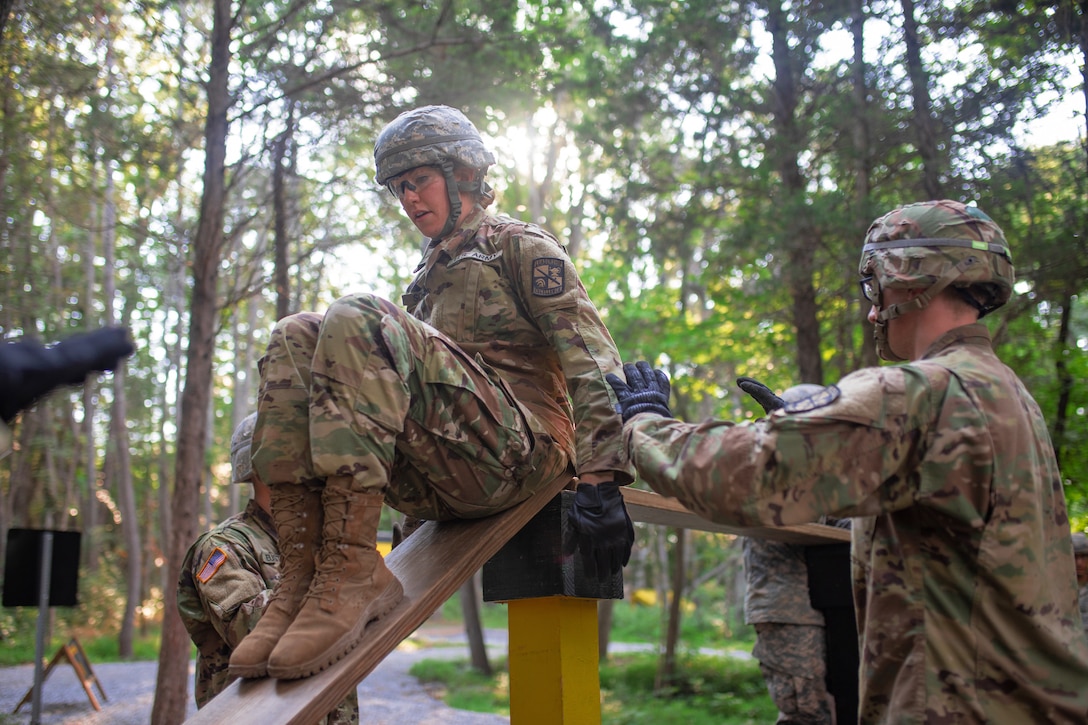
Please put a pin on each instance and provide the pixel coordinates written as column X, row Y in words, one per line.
column 346, row 713
column 793, row 659
column 281, row 436
column 389, row 390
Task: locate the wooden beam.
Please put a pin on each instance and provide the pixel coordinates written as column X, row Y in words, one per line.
column 652, row 508
column 431, row 564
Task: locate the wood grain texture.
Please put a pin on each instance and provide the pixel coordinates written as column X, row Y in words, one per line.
column 431, row 564
column 653, row 508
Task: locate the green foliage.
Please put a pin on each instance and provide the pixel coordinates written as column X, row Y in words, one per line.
column 706, row 689
column 465, row 688
column 652, row 135
column 95, row 621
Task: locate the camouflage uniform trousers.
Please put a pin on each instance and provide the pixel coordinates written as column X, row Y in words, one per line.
column 793, row 660
column 369, row 391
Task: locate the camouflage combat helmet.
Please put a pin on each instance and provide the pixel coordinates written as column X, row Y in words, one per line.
column 433, row 136
column 1080, row 544
column 930, row 246
column 241, row 443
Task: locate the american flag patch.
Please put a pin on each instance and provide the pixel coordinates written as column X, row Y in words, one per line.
column 212, row 565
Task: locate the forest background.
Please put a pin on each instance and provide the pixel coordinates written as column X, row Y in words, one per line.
column 196, row 170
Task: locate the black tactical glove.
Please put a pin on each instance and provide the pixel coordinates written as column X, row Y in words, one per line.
column 600, row 529
column 646, row 390
column 762, row 394
column 28, row 370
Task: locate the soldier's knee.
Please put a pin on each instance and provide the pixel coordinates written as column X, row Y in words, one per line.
column 297, row 326
column 357, row 313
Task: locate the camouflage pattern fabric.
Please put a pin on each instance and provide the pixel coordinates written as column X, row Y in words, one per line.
column 5, row 439
column 226, row 579
column 491, row 387
column 915, row 246
column 792, row 658
column 777, row 584
column 790, row 637
column 963, row 567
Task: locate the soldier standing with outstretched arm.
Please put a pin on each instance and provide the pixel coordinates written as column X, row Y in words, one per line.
column 963, row 566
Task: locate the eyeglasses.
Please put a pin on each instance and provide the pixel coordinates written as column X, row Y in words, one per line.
column 870, row 290
column 416, row 181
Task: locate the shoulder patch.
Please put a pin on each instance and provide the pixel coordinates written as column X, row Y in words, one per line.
column 211, row 566
column 548, row 277
column 825, row 397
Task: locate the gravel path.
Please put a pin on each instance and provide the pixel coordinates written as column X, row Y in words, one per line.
column 388, row 696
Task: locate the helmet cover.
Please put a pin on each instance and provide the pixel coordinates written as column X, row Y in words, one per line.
column 918, row 245
column 241, row 444
column 428, row 136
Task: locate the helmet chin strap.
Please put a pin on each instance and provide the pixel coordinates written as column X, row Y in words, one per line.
column 453, row 192
column 880, row 333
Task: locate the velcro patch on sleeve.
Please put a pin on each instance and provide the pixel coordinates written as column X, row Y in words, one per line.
column 211, row 566
column 823, row 398
column 548, row 277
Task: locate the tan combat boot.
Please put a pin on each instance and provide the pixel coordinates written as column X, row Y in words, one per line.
column 297, row 513
column 351, row 586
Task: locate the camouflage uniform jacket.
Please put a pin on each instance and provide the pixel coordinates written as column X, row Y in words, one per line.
column 224, row 586
column 777, row 584
column 963, row 568
column 507, row 293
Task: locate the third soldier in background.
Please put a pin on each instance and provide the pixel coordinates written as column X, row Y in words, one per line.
column 227, row 578
column 790, row 639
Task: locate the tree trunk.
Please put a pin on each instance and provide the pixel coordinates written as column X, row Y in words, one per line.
column 1065, row 378
column 863, row 153
column 803, row 238
column 666, row 671
column 90, row 386
column 605, row 608
column 923, row 115
column 171, row 690
column 279, row 220
column 474, row 631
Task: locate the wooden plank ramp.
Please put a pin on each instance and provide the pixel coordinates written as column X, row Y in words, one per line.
column 651, row 508
column 432, row 564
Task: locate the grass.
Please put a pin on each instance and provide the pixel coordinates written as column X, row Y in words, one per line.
column 707, row 690
column 17, row 643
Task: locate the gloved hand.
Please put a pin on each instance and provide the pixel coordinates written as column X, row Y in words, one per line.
column 646, row 390
column 28, row 370
column 600, row 529
column 762, row 394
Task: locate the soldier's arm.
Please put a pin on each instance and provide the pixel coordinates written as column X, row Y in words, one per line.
column 229, row 581
column 571, row 323
column 848, row 455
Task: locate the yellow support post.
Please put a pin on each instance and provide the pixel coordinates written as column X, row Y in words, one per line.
column 554, row 676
